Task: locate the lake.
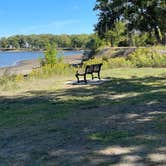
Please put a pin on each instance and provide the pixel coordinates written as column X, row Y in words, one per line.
column 12, row 58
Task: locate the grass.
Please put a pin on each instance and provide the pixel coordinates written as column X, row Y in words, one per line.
column 49, row 122
column 161, row 123
column 109, row 136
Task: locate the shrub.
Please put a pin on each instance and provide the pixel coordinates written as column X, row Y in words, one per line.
column 148, row 57
column 19, row 78
column 120, row 62
column 110, row 63
column 97, row 61
column 53, row 64
column 142, row 57
column 50, row 55
column 49, row 70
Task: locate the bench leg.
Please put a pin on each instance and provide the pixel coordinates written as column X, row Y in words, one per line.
column 77, row 78
column 99, row 75
column 85, row 78
column 92, row 76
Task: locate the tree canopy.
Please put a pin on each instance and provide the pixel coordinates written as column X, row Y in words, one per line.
column 43, row 40
column 144, row 16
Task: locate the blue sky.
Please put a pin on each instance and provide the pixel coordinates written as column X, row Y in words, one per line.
column 46, row 16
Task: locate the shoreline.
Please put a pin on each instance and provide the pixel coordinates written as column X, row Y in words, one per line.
column 25, row 66
column 38, row 50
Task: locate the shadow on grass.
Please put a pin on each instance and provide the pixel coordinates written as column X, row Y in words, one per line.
column 118, row 122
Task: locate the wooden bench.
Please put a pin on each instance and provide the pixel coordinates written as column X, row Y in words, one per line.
column 90, row 69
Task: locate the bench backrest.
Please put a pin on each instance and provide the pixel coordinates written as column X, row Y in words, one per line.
column 89, row 69
column 93, row 68
column 97, row 67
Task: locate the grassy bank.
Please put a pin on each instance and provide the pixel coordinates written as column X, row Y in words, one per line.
column 133, row 58
column 122, row 121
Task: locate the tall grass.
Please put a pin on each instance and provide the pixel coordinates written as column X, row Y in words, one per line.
column 58, row 69
column 8, row 82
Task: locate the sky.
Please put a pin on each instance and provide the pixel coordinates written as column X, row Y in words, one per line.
column 46, row 17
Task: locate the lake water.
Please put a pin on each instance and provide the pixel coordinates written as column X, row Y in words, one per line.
column 12, row 58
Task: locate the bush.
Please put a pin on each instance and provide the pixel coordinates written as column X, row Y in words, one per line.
column 50, row 55
column 110, row 63
column 50, row 70
column 53, row 64
column 120, row 62
column 148, row 57
column 97, row 61
column 142, row 57
column 19, row 78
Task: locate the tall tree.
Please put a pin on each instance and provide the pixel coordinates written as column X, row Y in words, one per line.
column 143, row 15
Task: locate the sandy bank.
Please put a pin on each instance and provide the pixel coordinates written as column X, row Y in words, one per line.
column 26, row 66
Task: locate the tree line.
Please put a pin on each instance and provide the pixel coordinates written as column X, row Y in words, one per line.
column 80, row 41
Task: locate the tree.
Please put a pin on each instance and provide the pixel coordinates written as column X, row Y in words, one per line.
column 3, row 43
column 116, row 35
column 64, row 41
column 51, row 55
column 41, row 41
column 22, row 41
column 141, row 15
column 147, row 16
column 75, row 41
column 13, row 41
column 94, row 43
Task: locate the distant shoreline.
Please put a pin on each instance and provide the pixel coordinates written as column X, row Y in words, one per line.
column 36, row 50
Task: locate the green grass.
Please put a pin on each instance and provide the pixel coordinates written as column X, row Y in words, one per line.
column 109, row 136
column 161, row 123
column 46, row 121
column 31, row 113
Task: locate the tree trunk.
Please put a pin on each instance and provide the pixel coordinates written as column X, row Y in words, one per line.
column 157, row 35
